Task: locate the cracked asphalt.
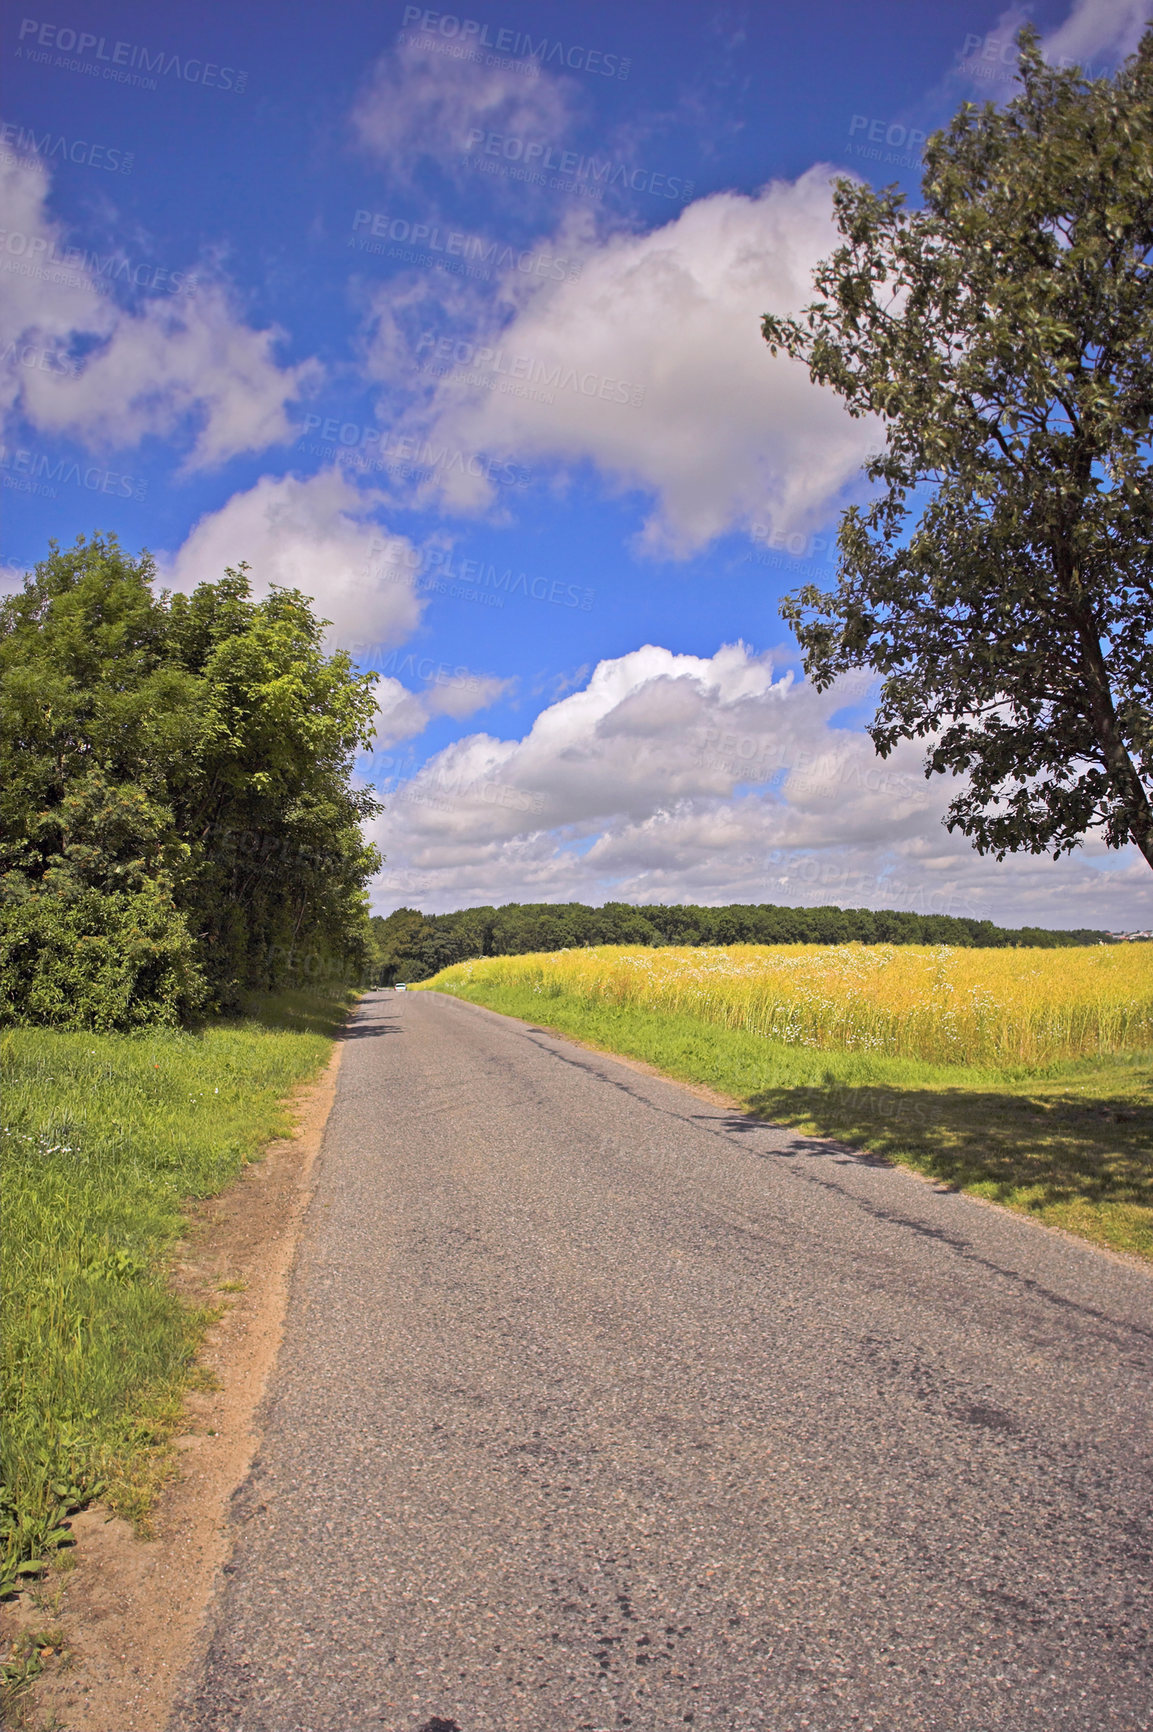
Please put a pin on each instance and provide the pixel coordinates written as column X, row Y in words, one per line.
column 599, row 1407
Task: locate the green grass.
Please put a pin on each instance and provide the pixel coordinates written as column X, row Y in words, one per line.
column 1070, row 1144
column 104, row 1139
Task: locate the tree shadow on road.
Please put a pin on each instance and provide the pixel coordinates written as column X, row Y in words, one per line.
column 370, row 1030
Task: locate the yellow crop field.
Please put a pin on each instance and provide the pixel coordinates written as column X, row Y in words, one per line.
column 935, row 1003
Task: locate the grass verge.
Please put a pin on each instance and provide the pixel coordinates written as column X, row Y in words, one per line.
column 105, row 1137
column 1070, row 1144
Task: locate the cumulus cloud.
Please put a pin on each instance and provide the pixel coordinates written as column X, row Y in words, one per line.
column 651, row 366
column 683, row 778
column 1097, row 35
column 423, row 99
column 1098, row 31
column 76, row 364
column 649, row 731
column 403, row 713
column 317, row 535
column 171, row 365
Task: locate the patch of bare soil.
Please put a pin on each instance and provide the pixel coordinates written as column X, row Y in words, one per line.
column 130, row 1613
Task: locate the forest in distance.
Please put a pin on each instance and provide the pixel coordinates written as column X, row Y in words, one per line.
column 413, row 946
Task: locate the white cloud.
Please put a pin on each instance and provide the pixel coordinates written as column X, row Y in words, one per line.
column 1098, row 31
column 682, row 778
column 403, row 713
column 652, row 367
column 422, row 102
column 171, row 364
column 1097, row 35
column 76, row 364
column 317, row 535
column 649, row 731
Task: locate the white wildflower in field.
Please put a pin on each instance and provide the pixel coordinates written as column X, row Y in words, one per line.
column 934, row 1002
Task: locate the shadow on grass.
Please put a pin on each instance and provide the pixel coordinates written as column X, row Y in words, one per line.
column 1070, row 1143
column 300, row 1012
column 1039, row 1149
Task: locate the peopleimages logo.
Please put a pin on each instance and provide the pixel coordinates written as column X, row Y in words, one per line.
column 886, row 141
column 123, row 61
column 425, row 785
column 41, row 360
column 51, row 145
column 534, row 160
column 37, row 256
column 891, row 134
column 778, row 541
column 468, row 36
column 370, row 448
column 436, row 571
column 997, row 57
column 475, row 574
column 35, row 472
column 371, row 658
column 517, row 375
column 476, row 256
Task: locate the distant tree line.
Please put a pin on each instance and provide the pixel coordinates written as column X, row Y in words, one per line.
column 178, row 825
column 412, row 946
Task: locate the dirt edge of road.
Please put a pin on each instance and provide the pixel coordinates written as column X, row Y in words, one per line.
column 134, row 1611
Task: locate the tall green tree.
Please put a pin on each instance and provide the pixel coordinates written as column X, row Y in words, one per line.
column 266, row 801
column 1001, row 581
column 178, row 823
column 92, row 711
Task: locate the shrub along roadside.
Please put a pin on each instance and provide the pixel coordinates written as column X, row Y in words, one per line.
column 105, row 1136
column 1070, row 1144
column 179, row 819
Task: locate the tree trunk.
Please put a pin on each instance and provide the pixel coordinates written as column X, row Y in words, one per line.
column 1120, row 766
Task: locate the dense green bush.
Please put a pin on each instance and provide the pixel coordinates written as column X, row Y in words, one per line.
column 177, row 822
column 97, row 959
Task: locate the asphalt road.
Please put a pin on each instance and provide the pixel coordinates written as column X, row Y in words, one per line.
column 598, row 1408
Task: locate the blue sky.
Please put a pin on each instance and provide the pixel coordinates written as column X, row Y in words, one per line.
column 452, row 319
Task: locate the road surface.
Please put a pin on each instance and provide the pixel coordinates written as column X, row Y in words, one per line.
column 600, row 1408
